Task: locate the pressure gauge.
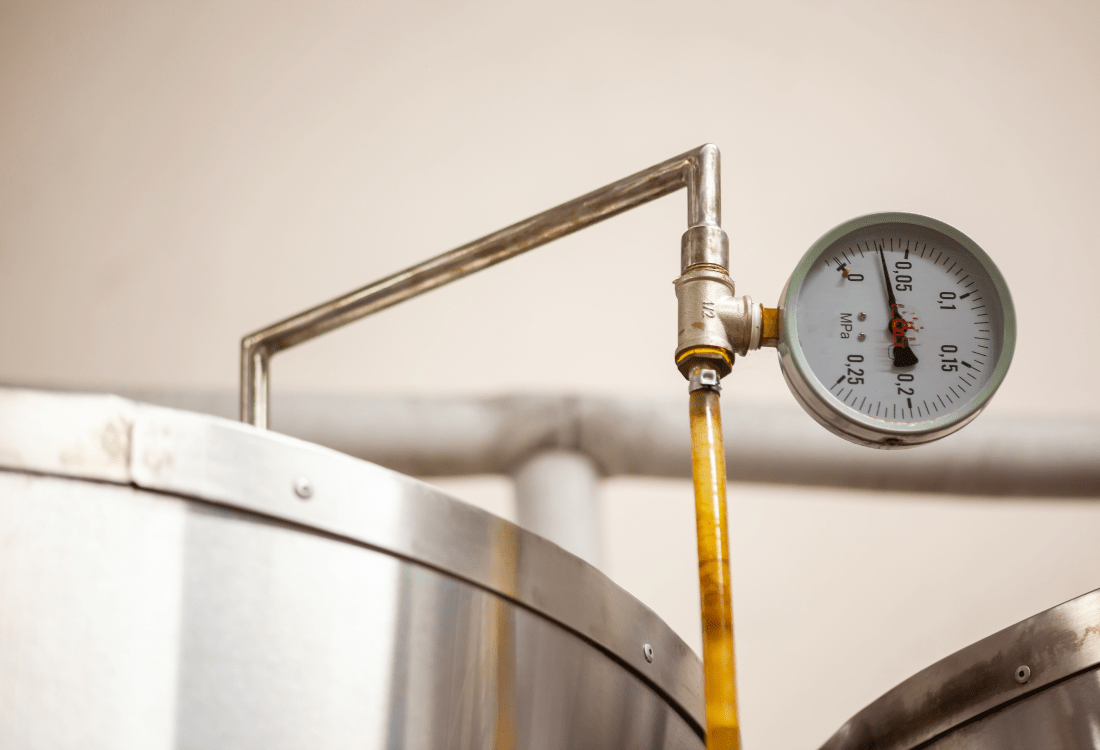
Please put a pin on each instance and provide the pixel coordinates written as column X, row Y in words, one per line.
column 895, row 330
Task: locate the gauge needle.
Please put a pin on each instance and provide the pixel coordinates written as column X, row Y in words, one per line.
column 903, row 355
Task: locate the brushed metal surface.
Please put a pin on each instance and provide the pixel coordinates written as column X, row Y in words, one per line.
column 90, row 615
column 979, row 684
column 135, row 619
column 153, row 454
column 1063, row 717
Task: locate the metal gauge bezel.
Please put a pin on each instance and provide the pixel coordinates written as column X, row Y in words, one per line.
column 845, row 421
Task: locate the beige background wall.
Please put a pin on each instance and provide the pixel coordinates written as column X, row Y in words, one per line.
column 174, row 175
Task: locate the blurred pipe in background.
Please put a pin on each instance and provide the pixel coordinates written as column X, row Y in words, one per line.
column 556, row 497
column 437, row 437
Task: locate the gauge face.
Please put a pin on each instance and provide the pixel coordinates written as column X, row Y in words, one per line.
column 896, row 329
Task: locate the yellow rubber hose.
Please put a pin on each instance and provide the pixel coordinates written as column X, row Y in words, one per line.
column 708, row 468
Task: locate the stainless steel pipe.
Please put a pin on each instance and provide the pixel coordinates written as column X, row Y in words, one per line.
column 696, row 170
column 557, row 497
column 996, row 456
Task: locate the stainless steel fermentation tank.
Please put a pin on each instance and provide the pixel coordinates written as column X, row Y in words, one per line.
column 172, row 580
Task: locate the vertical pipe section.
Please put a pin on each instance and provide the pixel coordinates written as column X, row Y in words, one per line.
column 704, row 186
column 708, row 468
column 254, row 384
column 556, row 498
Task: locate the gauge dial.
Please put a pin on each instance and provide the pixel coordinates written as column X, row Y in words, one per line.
column 896, row 329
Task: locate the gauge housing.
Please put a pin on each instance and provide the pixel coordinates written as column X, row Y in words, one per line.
column 841, row 418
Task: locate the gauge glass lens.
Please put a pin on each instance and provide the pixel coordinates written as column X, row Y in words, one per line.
column 900, row 330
